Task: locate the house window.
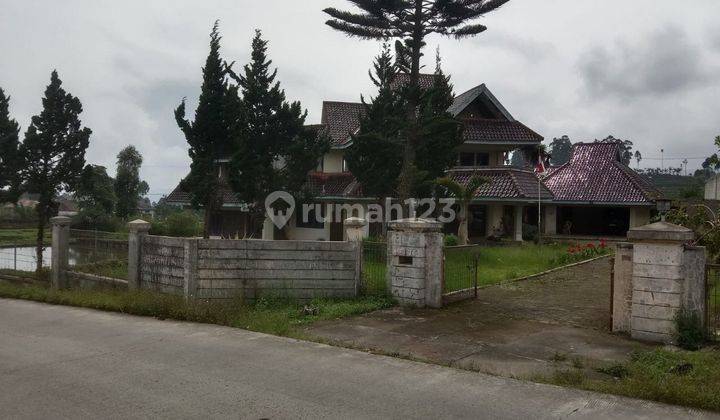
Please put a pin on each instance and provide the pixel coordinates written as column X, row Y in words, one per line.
column 467, row 159
column 474, row 159
column 482, row 159
column 312, row 219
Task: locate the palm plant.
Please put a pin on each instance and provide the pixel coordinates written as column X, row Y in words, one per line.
column 463, row 195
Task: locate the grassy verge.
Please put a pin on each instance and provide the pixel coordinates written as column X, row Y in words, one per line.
column 22, row 237
column 675, row 377
column 112, row 268
column 273, row 316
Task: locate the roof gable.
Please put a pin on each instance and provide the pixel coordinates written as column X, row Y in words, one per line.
column 340, row 119
column 481, row 97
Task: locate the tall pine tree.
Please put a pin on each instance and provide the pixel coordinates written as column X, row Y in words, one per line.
column 208, row 136
column 129, row 188
column 409, row 22
column 10, row 162
column 274, row 150
column 54, row 152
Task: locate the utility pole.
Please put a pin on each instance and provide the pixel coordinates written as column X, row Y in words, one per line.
column 685, row 162
column 662, row 159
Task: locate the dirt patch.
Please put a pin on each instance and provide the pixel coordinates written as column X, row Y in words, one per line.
column 517, row 329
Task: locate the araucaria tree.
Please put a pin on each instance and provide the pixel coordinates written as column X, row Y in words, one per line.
column 54, row 152
column 409, row 22
column 129, row 188
column 273, row 148
column 208, row 136
column 10, row 161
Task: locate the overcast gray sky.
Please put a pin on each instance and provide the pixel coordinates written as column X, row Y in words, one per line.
column 645, row 70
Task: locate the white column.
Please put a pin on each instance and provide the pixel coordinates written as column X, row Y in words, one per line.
column 518, row 223
column 550, row 220
column 268, row 230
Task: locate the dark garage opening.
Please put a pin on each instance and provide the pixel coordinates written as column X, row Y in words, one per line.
column 596, row 221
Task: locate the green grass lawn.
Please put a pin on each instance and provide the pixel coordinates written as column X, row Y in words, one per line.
column 22, row 237
column 272, row 316
column 674, row 377
column 111, row 268
column 495, row 264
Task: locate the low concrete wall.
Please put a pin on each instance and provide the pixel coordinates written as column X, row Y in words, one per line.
column 224, row 269
column 90, row 281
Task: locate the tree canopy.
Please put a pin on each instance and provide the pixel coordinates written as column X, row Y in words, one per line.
column 273, row 148
column 208, row 136
column 53, row 151
column 409, row 22
column 129, row 188
column 560, row 150
column 10, row 161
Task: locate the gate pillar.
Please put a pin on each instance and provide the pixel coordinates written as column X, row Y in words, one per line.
column 415, row 262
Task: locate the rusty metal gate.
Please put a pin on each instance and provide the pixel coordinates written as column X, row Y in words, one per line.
column 712, row 308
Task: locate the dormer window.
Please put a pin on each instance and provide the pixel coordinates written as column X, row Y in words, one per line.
column 474, row 159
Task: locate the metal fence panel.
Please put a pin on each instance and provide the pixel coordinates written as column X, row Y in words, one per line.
column 460, row 268
column 713, row 301
column 22, row 258
column 374, row 268
column 96, row 252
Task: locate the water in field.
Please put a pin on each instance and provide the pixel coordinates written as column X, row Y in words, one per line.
column 24, row 259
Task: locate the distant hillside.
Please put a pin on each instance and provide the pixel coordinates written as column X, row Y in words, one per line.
column 676, row 186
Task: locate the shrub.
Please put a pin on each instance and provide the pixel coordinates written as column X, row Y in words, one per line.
column 451, row 240
column 690, row 334
column 182, row 224
column 91, row 220
column 529, row 232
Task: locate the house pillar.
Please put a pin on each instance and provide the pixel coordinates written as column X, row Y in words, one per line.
column 518, row 223
column 268, row 230
column 493, row 215
column 60, row 250
column 550, row 220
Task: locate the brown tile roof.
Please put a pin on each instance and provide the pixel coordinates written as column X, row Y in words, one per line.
column 343, row 184
column 498, row 131
column 505, row 183
column 401, row 79
column 340, row 119
column 180, row 197
column 595, row 174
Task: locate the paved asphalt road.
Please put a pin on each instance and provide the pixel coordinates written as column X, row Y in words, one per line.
column 61, row 362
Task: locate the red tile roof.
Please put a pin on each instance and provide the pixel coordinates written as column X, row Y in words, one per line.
column 340, row 119
column 498, row 131
column 596, row 174
column 343, row 184
column 505, row 183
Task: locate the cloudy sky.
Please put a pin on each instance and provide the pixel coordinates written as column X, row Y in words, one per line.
column 645, row 70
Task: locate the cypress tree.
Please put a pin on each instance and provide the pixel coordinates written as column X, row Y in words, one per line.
column 208, row 136
column 54, row 152
column 10, row 162
column 129, row 188
column 274, row 150
column 409, row 22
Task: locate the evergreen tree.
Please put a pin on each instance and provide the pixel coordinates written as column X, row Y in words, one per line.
column 95, row 192
column 274, row 149
column 54, row 152
column 375, row 156
column 10, row 162
column 129, row 189
column 560, row 149
column 208, row 136
column 409, row 22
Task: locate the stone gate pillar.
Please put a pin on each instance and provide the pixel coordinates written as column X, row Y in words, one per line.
column 414, row 261
column 667, row 275
column 138, row 229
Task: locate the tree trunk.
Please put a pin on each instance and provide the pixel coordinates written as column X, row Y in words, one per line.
column 408, row 173
column 206, row 222
column 463, row 225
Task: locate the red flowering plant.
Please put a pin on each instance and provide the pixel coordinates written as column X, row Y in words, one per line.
column 580, row 252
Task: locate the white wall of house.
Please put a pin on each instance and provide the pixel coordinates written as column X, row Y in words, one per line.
column 712, row 188
column 333, row 161
column 549, row 220
column 639, row 216
column 494, row 214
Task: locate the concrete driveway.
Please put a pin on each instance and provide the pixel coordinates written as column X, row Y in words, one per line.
column 61, row 362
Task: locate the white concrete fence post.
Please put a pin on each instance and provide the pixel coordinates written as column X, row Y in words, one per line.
column 138, row 229
column 415, row 262
column 664, row 276
column 60, row 250
column 355, row 232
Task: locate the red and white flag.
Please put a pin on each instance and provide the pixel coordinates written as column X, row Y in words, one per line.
column 540, row 167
